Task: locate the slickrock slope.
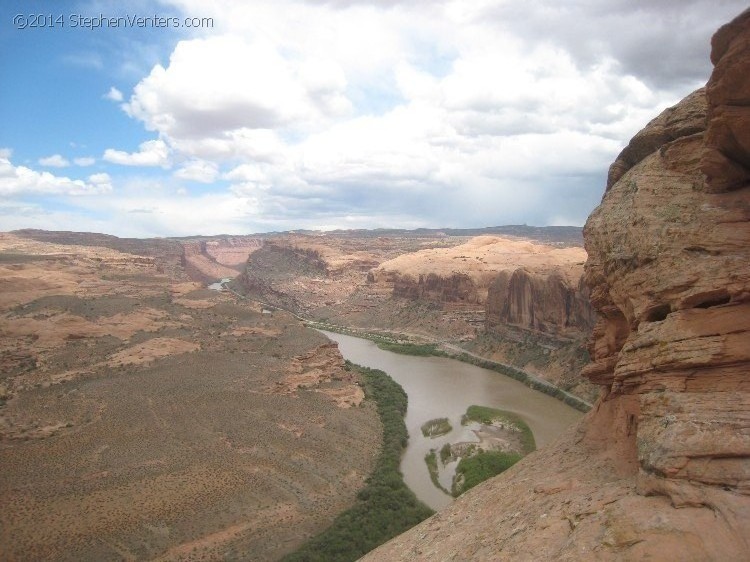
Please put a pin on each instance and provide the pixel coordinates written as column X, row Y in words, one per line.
column 660, row 469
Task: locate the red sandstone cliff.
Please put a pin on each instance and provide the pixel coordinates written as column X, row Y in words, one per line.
column 547, row 303
column 467, row 274
column 209, row 260
column 660, row 468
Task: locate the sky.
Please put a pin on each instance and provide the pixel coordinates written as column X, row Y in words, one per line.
column 187, row 117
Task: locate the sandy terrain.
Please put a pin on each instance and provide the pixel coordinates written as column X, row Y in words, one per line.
column 143, row 416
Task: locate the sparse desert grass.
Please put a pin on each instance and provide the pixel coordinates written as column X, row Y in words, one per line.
column 136, row 461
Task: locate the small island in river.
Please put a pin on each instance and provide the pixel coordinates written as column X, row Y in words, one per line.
column 495, row 441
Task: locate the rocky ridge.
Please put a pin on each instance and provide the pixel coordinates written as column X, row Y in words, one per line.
column 660, row 469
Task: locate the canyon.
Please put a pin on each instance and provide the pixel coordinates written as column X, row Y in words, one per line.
column 145, row 416
column 111, row 346
column 512, row 295
column 659, row 469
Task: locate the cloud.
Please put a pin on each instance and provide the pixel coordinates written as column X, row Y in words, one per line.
column 150, row 153
column 352, row 113
column 84, row 161
column 663, row 44
column 20, row 180
column 221, row 84
column 114, row 95
column 84, row 59
column 54, row 161
column 199, row 171
column 448, row 112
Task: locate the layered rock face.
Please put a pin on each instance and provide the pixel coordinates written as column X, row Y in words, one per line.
column 457, row 288
column 660, row 469
column 551, row 303
column 669, row 268
column 467, row 274
column 209, row 260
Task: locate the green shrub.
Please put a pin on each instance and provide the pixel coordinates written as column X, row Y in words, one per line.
column 479, row 467
column 419, row 349
column 431, row 461
column 385, row 507
column 486, row 415
column 445, row 453
column 436, row 427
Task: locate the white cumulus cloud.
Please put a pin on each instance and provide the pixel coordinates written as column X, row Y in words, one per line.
column 54, row 161
column 199, row 171
column 114, row 94
column 20, row 180
column 150, row 153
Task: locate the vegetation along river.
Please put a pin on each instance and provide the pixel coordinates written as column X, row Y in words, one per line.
column 439, row 387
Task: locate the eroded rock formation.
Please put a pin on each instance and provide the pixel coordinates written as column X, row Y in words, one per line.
column 660, row 469
column 209, row 260
column 465, row 274
column 669, row 269
column 551, row 303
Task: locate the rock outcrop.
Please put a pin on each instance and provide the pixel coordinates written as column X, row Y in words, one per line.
column 660, row 469
column 209, row 260
column 456, row 288
column 551, row 303
column 464, row 274
column 669, row 254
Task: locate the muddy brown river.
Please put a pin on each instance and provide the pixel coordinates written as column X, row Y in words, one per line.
column 439, row 387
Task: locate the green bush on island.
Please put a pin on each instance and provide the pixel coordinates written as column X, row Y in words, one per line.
column 436, row 427
column 486, row 415
column 479, row 467
column 385, row 507
column 445, row 453
column 431, row 460
column 419, row 349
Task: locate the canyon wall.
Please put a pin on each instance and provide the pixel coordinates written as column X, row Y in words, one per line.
column 669, row 268
column 209, row 260
column 660, row 468
column 476, row 274
column 454, row 289
column 547, row 303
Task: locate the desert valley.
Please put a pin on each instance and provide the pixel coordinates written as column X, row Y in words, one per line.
column 173, row 420
column 493, row 393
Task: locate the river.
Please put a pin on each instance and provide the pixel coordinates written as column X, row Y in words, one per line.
column 439, row 387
